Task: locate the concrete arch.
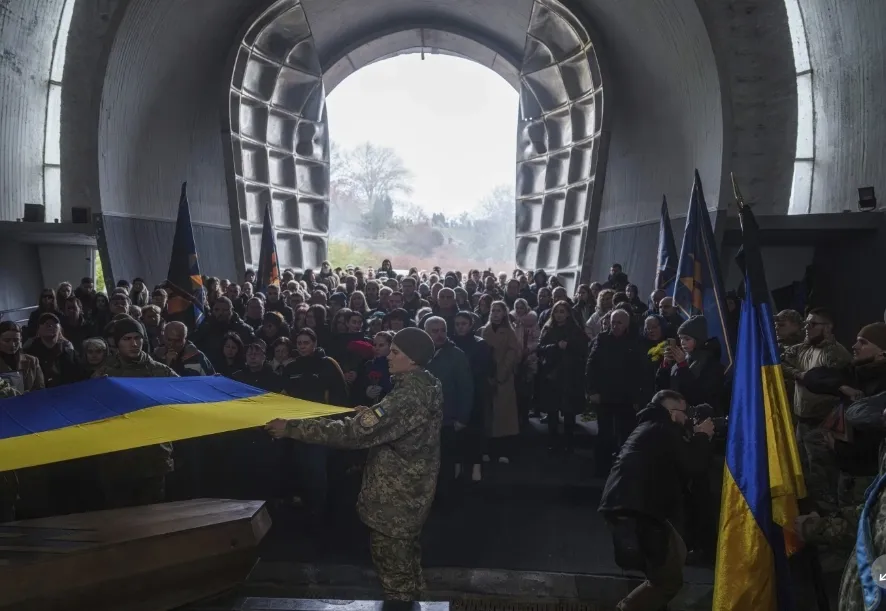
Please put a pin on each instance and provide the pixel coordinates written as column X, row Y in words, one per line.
column 667, row 104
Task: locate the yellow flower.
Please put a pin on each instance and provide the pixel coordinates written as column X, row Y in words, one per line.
column 656, row 353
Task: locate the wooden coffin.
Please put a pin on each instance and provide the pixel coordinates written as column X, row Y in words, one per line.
column 148, row 558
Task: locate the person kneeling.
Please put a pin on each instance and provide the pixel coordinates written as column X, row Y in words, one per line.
column 642, row 499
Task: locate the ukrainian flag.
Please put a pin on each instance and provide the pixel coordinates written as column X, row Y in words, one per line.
column 183, row 280
column 268, row 265
column 666, row 270
column 763, row 479
column 110, row 414
column 699, row 286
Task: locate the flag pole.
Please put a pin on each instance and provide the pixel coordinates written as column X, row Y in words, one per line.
column 816, row 572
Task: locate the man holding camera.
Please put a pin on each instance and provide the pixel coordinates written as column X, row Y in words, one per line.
column 643, row 498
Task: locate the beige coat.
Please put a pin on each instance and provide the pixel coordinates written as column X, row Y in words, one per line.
column 506, row 354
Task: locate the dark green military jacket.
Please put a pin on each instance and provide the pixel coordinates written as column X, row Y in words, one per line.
column 403, row 432
column 8, row 483
column 150, row 461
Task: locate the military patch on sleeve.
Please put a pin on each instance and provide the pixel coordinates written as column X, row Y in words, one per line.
column 379, row 411
column 367, row 418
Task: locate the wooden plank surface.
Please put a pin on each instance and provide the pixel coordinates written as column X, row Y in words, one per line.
column 32, row 540
column 182, row 551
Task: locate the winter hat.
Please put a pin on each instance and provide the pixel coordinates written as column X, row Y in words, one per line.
column 258, row 343
column 790, row 316
column 339, row 298
column 875, row 333
column 416, row 344
column 46, row 316
column 125, row 326
column 696, row 328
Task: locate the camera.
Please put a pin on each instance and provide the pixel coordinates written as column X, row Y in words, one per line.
column 702, row 412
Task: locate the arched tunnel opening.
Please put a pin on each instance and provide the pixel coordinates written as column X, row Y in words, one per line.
column 279, row 130
column 422, row 164
column 155, row 131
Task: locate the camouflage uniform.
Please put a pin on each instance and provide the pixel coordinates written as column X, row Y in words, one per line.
column 783, row 345
column 810, row 410
column 400, row 477
column 8, row 482
column 850, row 587
column 135, row 477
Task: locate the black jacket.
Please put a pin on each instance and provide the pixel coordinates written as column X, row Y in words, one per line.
column 614, row 369
column 210, row 337
column 281, row 307
column 700, row 379
column 316, row 378
column 264, row 378
column 860, row 456
column 653, row 467
column 59, row 363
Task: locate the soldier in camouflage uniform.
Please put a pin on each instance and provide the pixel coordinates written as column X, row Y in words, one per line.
column 400, row 477
column 134, row 477
column 857, row 458
column 8, row 482
column 789, row 331
column 819, row 349
column 844, row 526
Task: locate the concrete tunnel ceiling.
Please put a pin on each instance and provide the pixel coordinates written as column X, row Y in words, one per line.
column 161, row 109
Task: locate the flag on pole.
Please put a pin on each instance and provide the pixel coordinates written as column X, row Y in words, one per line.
column 184, row 284
column 762, row 478
column 666, row 271
column 268, row 268
column 699, row 286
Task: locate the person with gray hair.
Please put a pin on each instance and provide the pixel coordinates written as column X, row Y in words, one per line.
column 451, row 366
column 180, row 355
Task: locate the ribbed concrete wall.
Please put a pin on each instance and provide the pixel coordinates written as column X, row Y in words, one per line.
column 847, row 49
column 27, row 33
column 160, row 108
column 751, row 41
column 664, row 95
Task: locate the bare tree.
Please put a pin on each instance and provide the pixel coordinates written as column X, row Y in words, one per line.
column 371, row 171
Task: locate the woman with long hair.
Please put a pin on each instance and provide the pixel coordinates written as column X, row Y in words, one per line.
column 502, row 339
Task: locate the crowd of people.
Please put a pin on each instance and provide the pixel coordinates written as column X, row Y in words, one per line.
column 507, row 348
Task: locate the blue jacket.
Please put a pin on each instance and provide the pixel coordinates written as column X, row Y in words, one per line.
column 451, row 366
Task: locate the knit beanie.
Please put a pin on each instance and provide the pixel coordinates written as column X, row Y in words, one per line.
column 696, row 328
column 416, row 344
column 125, row 326
column 875, row 333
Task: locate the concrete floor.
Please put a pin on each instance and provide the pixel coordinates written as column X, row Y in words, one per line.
column 530, row 529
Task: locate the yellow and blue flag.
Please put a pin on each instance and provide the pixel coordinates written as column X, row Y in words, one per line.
column 110, row 414
column 268, row 265
column 666, row 270
column 699, row 286
column 762, row 479
column 183, row 280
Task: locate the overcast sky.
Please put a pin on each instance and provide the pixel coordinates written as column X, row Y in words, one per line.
column 452, row 121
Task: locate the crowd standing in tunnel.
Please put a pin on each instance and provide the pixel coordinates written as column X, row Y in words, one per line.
column 444, row 371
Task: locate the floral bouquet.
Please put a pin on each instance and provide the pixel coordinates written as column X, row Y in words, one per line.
column 656, row 353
